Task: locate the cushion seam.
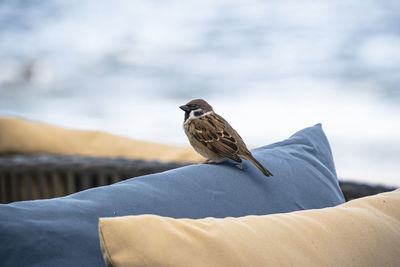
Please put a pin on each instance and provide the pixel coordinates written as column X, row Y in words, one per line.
column 107, row 253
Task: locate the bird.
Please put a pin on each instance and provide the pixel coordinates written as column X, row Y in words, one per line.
column 213, row 137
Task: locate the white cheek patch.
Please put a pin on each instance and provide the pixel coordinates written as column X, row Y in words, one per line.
column 192, row 116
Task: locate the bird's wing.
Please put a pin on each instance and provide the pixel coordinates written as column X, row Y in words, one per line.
column 217, row 135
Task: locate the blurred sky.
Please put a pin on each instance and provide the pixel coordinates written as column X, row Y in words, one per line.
column 269, row 67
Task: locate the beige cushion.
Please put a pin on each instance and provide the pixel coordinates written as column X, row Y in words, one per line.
column 27, row 137
column 362, row 232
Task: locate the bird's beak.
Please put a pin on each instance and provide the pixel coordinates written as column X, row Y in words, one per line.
column 185, row 108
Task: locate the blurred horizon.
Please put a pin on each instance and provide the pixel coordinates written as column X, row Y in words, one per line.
column 270, row 68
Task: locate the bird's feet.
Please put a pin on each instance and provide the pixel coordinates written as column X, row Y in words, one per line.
column 239, row 166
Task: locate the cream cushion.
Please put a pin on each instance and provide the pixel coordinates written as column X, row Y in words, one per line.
column 362, row 232
column 21, row 136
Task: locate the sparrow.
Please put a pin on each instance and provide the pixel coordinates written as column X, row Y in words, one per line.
column 213, row 137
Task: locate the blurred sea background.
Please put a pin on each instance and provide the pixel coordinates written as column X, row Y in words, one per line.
column 270, row 68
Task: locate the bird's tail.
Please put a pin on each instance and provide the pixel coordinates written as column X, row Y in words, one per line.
column 250, row 158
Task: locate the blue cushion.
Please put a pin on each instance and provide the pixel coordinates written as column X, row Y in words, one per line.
column 63, row 231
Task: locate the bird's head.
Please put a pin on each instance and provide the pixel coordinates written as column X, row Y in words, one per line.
column 195, row 109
